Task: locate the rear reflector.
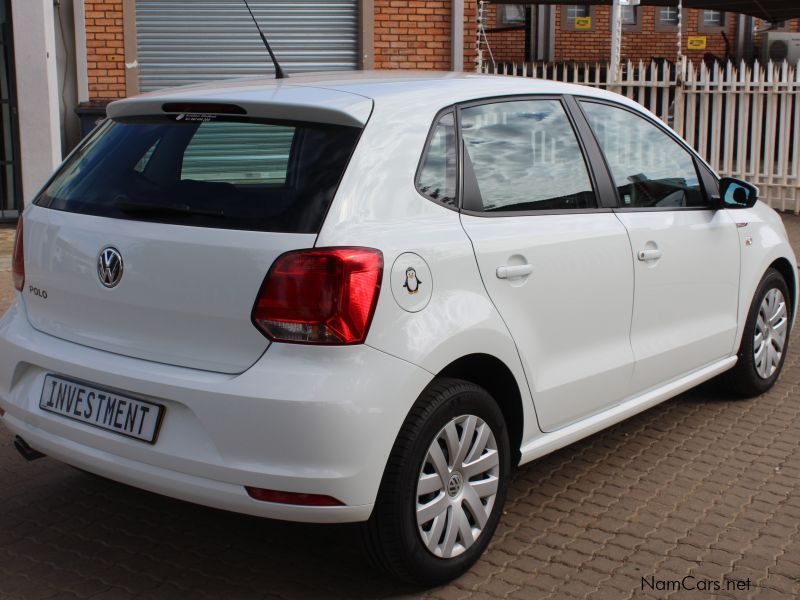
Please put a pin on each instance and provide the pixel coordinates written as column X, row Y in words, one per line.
column 292, row 498
column 320, row 296
column 18, row 260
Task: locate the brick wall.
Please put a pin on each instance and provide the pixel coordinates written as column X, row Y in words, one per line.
column 105, row 49
column 508, row 44
column 595, row 45
column 415, row 34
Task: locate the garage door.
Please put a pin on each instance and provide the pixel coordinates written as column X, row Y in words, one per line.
column 182, row 42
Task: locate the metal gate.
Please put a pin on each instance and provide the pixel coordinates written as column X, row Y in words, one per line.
column 191, row 41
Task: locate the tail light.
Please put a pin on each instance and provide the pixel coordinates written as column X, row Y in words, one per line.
column 320, row 296
column 18, row 260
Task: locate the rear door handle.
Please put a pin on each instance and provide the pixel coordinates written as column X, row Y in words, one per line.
column 514, row 271
column 650, row 254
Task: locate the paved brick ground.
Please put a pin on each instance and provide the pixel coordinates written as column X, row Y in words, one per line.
column 702, row 485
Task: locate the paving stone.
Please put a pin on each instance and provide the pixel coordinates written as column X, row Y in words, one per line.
column 703, row 485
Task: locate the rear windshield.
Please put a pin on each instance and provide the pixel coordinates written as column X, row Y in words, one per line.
column 231, row 173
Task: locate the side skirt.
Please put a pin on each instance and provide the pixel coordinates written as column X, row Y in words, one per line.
column 550, row 442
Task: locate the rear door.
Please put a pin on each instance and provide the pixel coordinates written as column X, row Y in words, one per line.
column 556, row 265
column 153, row 239
column 686, row 252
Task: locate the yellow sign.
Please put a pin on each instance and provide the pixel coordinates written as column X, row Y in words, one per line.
column 696, row 42
column 583, row 22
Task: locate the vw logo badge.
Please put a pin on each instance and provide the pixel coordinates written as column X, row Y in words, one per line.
column 109, row 267
column 455, row 484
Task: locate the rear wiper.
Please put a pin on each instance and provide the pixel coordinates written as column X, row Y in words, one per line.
column 139, row 208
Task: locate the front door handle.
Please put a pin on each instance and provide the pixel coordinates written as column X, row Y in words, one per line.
column 514, row 272
column 649, row 254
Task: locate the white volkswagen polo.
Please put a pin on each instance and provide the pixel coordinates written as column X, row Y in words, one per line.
column 367, row 297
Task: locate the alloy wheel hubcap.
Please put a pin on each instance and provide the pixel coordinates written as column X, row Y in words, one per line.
column 770, row 335
column 457, row 486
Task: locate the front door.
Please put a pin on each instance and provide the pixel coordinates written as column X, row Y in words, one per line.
column 557, row 267
column 686, row 253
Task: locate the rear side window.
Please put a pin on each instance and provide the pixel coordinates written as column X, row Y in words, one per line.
column 525, row 157
column 437, row 174
column 650, row 169
column 230, row 173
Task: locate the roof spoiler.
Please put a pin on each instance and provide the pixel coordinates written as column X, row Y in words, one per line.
column 287, row 103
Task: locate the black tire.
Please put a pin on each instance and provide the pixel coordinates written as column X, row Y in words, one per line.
column 744, row 379
column 391, row 537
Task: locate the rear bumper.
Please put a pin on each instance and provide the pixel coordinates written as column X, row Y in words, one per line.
column 303, row 419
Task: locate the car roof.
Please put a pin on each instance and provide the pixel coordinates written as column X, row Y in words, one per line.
column 347, row 97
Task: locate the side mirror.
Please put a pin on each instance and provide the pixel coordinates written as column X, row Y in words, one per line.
column 736, row 193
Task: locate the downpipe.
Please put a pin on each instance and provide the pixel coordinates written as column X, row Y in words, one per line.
column 26, row 451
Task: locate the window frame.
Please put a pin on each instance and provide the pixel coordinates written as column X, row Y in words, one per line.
column 706, row 177
column 661, row 26
column 569, row 25
column 500, row 17
column 424, row 156
column 704, row 28
column 586, row 152
column 636, row 26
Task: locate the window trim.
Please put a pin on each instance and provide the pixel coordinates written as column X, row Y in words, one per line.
column 588, row 158
column 660, row 26
column 636, row 26
column 699, row 164
column 702, row 27
column 567, row 25
column 500, row 24
column 426, row 148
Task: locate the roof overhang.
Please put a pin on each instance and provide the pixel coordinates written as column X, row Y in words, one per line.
column 769, row 10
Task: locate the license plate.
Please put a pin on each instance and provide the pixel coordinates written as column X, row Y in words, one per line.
column 107, row 410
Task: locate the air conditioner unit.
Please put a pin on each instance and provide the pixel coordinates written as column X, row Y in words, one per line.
column 779, row 46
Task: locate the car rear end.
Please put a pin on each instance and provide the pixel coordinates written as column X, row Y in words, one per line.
column 175, row 327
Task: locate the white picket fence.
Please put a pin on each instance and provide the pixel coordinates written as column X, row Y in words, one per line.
column 743, row 119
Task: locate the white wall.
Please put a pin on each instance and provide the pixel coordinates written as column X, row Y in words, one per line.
column 37, row 92
column 64, row 16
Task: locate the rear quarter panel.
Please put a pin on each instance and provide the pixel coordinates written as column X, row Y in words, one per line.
column 378, row 206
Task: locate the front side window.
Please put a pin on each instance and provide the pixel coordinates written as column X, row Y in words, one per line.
column 650, row 169
column 524, row 156
column 229, row 173
column 437, row 174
